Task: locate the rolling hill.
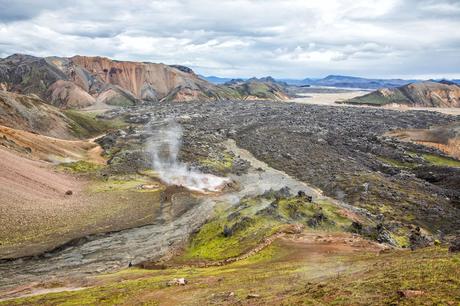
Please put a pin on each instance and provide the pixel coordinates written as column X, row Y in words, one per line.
column 423, row 94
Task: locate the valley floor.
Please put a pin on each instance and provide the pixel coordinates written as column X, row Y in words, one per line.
column 331, row 99
column 322, row 208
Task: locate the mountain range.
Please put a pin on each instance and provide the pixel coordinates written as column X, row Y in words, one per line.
column 82, row 81
column 335, row 81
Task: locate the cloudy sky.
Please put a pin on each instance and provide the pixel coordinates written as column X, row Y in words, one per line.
column 288, row 38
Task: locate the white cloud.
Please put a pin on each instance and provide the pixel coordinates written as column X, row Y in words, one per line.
column 285, row 38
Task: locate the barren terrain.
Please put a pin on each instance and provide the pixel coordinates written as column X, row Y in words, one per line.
column 316, row 192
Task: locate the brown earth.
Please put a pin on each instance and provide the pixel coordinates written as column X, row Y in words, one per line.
column 37, row 211
column 68, row 95
column 445, row 139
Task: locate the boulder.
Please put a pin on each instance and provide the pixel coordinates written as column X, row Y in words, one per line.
column 178, row 282
column 455, row 245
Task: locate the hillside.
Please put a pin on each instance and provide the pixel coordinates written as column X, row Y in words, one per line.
column 29, row 113
column 423, row 94
column 32, row 114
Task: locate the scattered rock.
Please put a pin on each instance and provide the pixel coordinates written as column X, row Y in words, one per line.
column 417, row 239
column 302, row 194
column 410, row 293
column 317, row 219
column 253, row 296
column 293, row 229
column 178, row 282
column 356, row 227
column 69, row 192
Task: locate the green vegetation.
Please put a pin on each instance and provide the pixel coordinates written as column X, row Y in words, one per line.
column 222, row 164
column 396, row 163
column 256, row 89
column 247, row 231
column 120, row 100
column 437, row 160
column 282, row 275
column 431, row 273
column 103, row 212
column 86, row 125
column 432, row 159
column 80, row 166
column 125, row 183
column 237, row 230
column 376, row 98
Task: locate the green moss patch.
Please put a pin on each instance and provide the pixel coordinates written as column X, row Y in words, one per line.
column 125, row 183
column 396, row 163
column 225, row 237
column 86, row 125
column 237, row 230
column 80, row 166
column 442, row 161
column 222, row 164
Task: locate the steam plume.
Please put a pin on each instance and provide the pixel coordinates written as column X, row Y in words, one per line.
column 164, row 147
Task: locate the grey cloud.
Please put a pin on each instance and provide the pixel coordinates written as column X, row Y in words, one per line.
column 245, row 37
column 11, row 10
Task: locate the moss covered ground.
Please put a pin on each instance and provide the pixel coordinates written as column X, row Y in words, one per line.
column 442, row 161
column 282, row 275
column 80, row 166
column 222, row 164
column 237, row 230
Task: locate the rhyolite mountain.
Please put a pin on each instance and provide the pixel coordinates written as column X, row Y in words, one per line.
column 82, row 81
column 422, row 94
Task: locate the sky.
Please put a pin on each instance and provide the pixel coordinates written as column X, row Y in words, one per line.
column 244, row 38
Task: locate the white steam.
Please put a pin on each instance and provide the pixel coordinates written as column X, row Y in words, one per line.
column 163, row 147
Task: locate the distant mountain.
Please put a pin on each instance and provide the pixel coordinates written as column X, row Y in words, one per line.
column 298, row 82
column 215, row 80
column 425, row 94
column 329, row 81
column 266, row 88
column 220, row 81
column 357, row 82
